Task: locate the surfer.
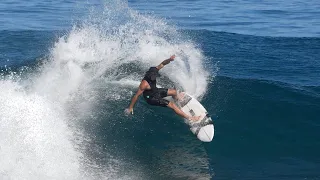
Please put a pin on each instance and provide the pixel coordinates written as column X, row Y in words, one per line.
column 155, row 96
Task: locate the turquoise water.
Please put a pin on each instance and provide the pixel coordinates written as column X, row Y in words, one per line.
column 68, row 70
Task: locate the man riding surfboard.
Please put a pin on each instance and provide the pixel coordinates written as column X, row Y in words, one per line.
column 155, row 96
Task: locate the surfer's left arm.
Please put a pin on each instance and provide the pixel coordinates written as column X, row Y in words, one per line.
column 135, row 99
column 165, row 62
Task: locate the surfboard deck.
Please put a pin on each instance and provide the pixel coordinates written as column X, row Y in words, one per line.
column 203, row 128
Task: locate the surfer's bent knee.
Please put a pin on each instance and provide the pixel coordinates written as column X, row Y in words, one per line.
column 172, row 92
column 171, row 105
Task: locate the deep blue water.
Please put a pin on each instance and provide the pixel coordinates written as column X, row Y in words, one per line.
column 266, row 18
column 68, row 70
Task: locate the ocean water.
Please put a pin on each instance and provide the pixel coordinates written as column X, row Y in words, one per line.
column 69, row 69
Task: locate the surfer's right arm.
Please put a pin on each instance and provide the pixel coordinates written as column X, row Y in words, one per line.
column 165, row 62
column 134, row 99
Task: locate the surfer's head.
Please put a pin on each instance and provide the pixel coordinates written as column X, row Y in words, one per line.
column 152, row 74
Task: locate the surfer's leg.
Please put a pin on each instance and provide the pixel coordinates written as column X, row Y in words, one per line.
column 181, row 113
column 174, row 93
column 177, row 110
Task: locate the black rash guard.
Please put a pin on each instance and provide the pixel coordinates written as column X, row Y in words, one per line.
column 154, row 96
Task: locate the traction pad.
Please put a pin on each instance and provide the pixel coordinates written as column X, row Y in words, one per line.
column 205, row 121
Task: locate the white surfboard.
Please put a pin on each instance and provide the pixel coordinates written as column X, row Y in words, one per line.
column 203, row 128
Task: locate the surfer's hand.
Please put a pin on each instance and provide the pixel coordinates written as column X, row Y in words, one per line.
column 128, row 111
column 172, row 57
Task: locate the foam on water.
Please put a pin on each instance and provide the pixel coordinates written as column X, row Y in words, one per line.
column 35, row 141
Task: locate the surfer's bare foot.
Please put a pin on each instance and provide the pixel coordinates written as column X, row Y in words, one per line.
column 194, row 118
